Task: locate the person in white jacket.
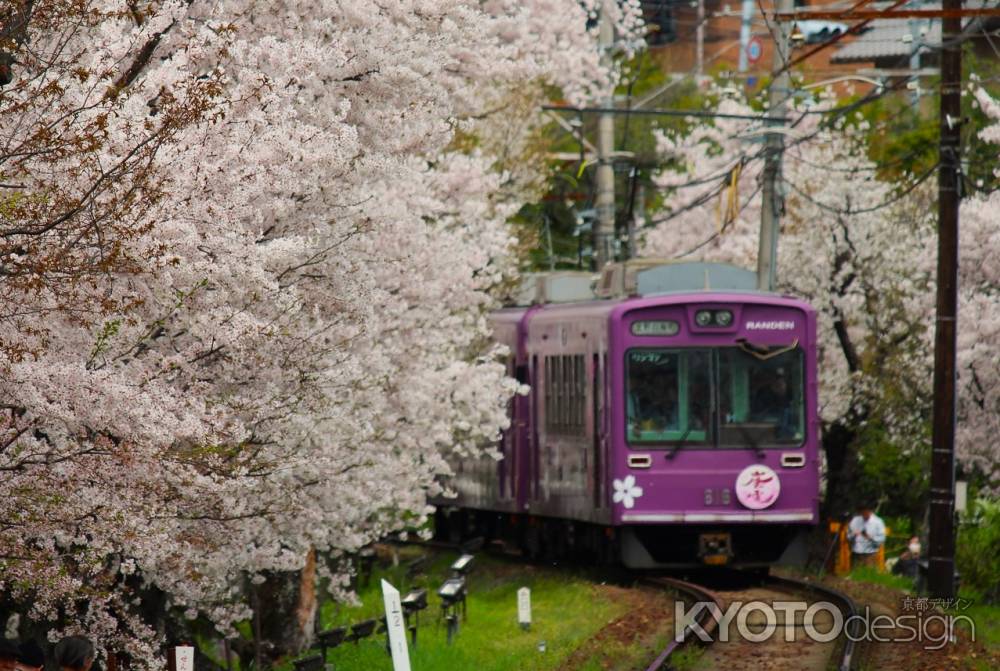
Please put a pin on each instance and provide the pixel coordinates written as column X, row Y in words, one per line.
column 866, row 533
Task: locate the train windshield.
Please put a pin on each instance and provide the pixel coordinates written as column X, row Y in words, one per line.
column 724, row 397
column 669, row 396
column 761, row 400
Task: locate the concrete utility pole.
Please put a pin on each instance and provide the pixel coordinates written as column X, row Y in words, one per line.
column 916, row 38
column 941, row 555
column 604, row 227
column 745, row 34
column 772, row 206
column 638, row 218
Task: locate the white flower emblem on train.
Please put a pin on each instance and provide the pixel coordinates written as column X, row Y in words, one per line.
column 626, row 491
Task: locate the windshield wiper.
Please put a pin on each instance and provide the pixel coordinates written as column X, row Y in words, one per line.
column 753, row 444
column 679, row 443
column 765, row 352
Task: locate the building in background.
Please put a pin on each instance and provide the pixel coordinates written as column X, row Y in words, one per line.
column 894, row 47
column 886, row 49
column 674, row 37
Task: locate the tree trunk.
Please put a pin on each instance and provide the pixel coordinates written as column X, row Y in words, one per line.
column 288, row 606
column 841, row 459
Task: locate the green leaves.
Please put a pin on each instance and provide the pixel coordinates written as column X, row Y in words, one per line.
column 101, row 343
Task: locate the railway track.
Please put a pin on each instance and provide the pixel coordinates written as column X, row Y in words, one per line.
column 789, row 646
column 692, row 593
column 721, row 588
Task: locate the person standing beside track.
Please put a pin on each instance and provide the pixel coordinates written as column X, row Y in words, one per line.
column 866, row 532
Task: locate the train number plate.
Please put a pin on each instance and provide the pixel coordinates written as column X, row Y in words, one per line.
column 717, row 497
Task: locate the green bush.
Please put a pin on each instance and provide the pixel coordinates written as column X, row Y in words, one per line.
column 977, row 551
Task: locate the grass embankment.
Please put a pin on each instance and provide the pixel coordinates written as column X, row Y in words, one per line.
column 986, row 616
column 568, row 609
column 978, row 652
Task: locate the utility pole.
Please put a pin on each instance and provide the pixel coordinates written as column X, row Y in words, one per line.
column 745, row 34
column 916, row 38
column 772, row 206
column 548, row 240
column 700, row 39
column 941, row 555
column 604, row 228
column 941, row 550
column 637, row 217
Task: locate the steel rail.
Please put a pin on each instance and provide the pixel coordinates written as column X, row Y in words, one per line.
column 844, row 602
column 707, row 621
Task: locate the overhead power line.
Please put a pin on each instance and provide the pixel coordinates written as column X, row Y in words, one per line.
column 806, row 14
column 895, row 198
column 661, row 112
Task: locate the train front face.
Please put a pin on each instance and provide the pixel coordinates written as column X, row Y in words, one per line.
column 714, row 431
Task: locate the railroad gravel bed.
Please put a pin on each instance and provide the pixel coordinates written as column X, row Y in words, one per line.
column 775, row 653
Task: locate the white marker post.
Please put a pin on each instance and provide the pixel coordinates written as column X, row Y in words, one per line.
column 184, row 658
column 524, row 608
column 397, row 628
column 961, row 495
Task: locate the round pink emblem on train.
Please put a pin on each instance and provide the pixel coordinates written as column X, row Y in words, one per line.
column 757, row 487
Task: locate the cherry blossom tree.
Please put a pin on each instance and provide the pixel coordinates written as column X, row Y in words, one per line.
column 979, row 319
column 863, row 252
column 849, row 244
column 247, row 252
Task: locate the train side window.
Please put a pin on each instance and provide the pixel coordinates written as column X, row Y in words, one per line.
column 547, row 388
column 550, row 392
column 568, row 393
column 557, row 393
column 581, row 394
column 565, row 394
column 575, row 406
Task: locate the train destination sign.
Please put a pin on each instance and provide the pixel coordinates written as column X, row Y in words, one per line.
column 661, row 327
column 782, row 325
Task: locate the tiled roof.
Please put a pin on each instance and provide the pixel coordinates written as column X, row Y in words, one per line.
column 885, row 37
column 885, row 40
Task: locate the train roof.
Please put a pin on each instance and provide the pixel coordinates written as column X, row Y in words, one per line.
column 613, row 308
column 621, row 305
column 647, row 283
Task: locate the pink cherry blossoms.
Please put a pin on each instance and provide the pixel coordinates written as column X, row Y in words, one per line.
column 246, row 253
column 863, row 251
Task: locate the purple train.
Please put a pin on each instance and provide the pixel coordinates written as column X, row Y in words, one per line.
column 672, row 421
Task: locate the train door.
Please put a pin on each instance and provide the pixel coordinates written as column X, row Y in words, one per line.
column 508, row 445
column 519, row 428
column 597, row 389
column 534, row 459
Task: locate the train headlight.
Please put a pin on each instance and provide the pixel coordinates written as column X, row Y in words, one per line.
column 723, row 317
column 703, row 318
